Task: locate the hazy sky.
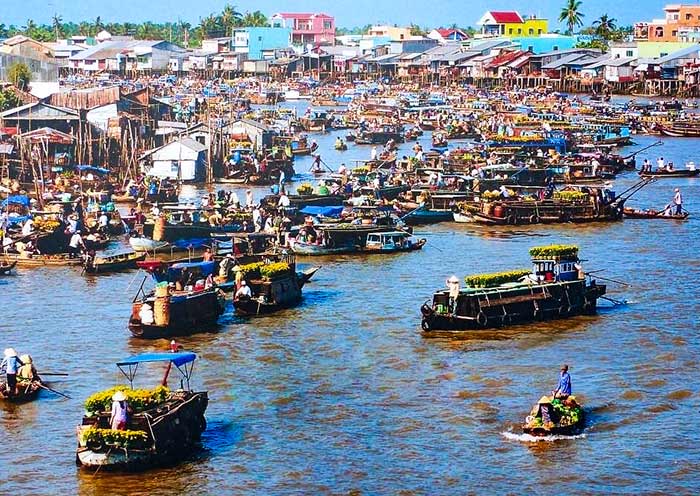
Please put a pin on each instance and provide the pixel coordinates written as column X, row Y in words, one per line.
column 348, row 13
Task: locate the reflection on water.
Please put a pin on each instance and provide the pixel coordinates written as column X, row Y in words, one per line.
column 343, row 394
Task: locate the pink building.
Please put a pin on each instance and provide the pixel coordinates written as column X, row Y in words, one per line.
column 316, row 29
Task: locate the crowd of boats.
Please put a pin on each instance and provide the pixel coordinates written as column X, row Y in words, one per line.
column 496, row 159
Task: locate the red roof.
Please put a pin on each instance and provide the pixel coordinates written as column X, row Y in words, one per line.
column 506, row 17
column 505, row 58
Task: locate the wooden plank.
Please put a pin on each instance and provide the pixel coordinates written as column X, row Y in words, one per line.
column 515, row 299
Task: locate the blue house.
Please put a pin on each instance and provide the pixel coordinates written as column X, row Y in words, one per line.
column 544, row 44
column 256, row 42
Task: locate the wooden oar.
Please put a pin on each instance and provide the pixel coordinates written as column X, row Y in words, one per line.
column 54, row 373
column 54, row 391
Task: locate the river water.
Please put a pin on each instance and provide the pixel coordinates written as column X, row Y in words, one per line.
column 343, row 395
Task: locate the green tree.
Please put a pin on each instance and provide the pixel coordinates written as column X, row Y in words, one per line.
column 18, row 73
column 98, row 25
column 254, row 19
column 229, row 19
column 8, row 100
column 571, row 15
column 57, row 22
column 605, row 26
column 416, row 30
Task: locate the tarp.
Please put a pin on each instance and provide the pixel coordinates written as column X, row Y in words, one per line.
column 19, row 199
column 90, row 168
column 322, row 211
column 177, row 358
column 206, row 268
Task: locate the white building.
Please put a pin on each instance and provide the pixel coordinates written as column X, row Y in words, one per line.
column 128, row 55
column 184, row 159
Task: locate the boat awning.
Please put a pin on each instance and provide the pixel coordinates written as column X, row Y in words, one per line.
column 322, row 211
column 178, row 359
column 94, row 170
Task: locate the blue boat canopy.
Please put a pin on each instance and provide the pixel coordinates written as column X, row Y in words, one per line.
column 323, row 211
column 178, row 359
column 90, row 168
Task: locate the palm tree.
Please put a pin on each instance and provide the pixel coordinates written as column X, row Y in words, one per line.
column 605, row 26
column 29, row 28
column 207, row 26
column 230, row 17
column 98, row 25
column 254, row 19
column 57, row 21
column 84, row 28
column 571, row 16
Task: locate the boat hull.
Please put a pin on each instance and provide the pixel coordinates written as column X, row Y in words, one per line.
column 528, row 303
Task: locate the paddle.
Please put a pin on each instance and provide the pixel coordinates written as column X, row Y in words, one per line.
column 609, row 280
column 54, row 391
column 54, row 373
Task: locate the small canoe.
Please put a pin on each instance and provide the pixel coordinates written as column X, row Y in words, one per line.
column 58, row 260
column 27, row 391
column 555, row 417
column 111, row 261
column 632, row 213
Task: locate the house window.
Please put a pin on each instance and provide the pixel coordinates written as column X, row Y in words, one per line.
column 688, row 17
column 555, row 48
column 520, row 31
column 510, row 30
column 530, row 48
column 327, row 25
column 531, row 31
column 539, row 31
column 259, row 38
column 674, row 33
column 659, row 32
column 629, row 53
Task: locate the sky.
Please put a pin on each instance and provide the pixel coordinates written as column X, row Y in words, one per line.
column 432, row 13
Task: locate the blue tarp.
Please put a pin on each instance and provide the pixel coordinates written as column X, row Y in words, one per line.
column 177, row 358
column 184, row 244
column 90, row 168
column 20, row 199
column 323, row 211
column 206, row 268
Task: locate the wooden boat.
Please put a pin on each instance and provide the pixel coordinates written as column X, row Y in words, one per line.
column 6, row 267
column 426, row 215
column 663, row 173
column 341, row 147
column 632, row 213
column 270, row 294
column 556, row 289
column 166, row 430
column 176, row 313
column 58, row 260
column 109, row 261
column 680, row 129
column 392, row 242
column 463, row 218
column 313, row 249
column 555, row 417
column 27, row 391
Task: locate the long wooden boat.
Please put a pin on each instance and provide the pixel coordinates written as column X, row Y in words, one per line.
column 319, row 250
column 165, row 431
column 554, row 290
column 555, row 417
column 392, row 242
column 632, row 213
column 659, row 174
column 6, row 268
column 58, row 260
column 142, row 244
column 110, row 261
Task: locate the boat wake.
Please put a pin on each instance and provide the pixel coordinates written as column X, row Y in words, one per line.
column 528, row 438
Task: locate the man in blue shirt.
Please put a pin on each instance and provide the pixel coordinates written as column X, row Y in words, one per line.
column 11, row 363
column 564, row 387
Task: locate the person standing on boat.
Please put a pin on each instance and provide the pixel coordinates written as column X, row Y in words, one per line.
column 76, row 244
column 453, row 289
column 119, row 413
column 373, row 153
column 563, row 390
column 678, row 201
column 11, row 363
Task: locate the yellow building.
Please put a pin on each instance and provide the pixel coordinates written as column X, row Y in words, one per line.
column 394, row 33
column 512, row 25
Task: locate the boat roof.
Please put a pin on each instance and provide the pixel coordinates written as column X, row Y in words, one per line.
column 178, row 359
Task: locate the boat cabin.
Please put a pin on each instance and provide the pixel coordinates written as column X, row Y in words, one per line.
column 556, row 270
column 388, row 240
